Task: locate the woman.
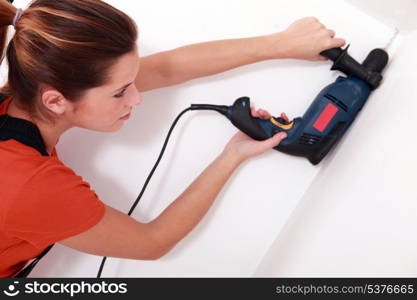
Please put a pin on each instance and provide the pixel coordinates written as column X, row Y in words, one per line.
column 74, row 63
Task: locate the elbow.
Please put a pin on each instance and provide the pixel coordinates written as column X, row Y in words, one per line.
column 155, row 253
column 154, row 257
column 158, row 243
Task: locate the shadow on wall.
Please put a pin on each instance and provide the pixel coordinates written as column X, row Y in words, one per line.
column 400, row 13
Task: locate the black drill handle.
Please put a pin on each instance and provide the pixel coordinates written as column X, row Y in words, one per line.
column 376, row 60
column 343, row 62
column 243, row 120
column 332, row 54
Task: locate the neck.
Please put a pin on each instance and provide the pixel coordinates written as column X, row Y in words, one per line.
column 50, row 133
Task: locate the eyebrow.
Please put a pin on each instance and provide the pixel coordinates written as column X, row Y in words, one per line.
column 123, row 87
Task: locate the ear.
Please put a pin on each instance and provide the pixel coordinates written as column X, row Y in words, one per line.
column 54, row 101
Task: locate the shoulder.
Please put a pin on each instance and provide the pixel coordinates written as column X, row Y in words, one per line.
column 52, row 179
column 54, row 203
column 21, row 165
column 36, row 182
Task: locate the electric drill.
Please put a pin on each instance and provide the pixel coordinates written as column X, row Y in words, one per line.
column 329, row 115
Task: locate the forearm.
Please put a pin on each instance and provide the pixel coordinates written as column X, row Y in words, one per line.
column 200, row 60
column 210, row 58
column 179, row 218
column 304, row 39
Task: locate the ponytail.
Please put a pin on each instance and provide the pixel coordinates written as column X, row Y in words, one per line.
column 7, row 14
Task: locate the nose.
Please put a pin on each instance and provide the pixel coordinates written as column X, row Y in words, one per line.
column 135, row 99
column 138, row 99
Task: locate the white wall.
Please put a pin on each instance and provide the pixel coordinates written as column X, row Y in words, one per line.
column 255, row 205
column 400, row 14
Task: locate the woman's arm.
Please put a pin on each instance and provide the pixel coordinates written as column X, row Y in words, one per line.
column 118, row 235
column 304, row 39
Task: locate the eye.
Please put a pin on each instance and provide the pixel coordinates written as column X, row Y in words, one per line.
column 121, row 94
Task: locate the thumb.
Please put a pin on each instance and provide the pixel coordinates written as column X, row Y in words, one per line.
column 275, row 140
column 338, row 42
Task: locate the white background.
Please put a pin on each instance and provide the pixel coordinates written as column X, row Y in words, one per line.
column 352, row 215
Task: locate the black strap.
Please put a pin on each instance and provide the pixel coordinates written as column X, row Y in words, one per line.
column 28, row 134
column 26, row 271
column 22, row 131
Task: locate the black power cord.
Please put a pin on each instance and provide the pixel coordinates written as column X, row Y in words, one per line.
column 150, row 174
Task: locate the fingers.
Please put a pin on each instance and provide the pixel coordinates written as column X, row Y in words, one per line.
column 253, row 112
column 334, row 42
column 264, row 114
column 260, row 113
column 285, row 117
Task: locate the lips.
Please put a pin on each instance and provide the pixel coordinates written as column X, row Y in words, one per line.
column 126, row 115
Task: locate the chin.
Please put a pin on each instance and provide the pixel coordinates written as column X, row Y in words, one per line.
column 114, row 128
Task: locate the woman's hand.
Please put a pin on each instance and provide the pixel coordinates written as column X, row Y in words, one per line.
column 241, row 147
column 303, row 39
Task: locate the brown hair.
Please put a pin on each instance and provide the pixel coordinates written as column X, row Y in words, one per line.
column 69, row 45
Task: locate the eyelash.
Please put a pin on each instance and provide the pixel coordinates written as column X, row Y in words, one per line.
column 121, row 94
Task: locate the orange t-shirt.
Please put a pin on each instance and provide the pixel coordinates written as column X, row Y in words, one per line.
column 41, row 202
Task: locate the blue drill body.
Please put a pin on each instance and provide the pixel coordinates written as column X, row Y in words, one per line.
column 328, row 117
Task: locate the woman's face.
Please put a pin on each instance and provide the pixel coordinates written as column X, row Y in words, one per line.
column 103, row 108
